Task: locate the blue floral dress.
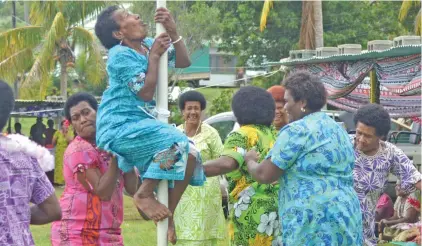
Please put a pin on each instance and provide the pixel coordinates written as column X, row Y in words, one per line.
column 317, row 202
column 126, row 125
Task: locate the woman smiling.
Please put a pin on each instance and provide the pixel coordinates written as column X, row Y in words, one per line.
column 199, row 216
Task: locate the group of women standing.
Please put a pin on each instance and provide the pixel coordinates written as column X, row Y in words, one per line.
column 304, row 182
column 289, row 166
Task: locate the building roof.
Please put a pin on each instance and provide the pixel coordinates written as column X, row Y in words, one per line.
column 404, row 50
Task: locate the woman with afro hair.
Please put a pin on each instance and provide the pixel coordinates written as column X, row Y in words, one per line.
column 313, row 161
column 254, row 217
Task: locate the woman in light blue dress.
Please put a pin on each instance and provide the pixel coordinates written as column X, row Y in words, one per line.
column 126, row 123
column 313, row 161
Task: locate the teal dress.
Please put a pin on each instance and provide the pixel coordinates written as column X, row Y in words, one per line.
column 127, row 127
column 317, row 202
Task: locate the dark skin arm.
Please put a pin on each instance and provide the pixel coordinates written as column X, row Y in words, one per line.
column 47, row 211
column 265, row 172
column 103, row 185
column 220, row 166
column 161, row 44
column 418, row 185
column 164, row 17
column 131, row 182
column 410, row 217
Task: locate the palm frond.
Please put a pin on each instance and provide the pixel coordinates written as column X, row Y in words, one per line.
column 18, row 39
column 307, row 28
column 94, row 60
column 268, row 4
column 404, row 9
column 16, row 64
column 77, row 12
column 45, row 60
column 43, row 13
column 44, row 86
column 418, row 23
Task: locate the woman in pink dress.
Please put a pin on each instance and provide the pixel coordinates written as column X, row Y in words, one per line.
column 92, row 201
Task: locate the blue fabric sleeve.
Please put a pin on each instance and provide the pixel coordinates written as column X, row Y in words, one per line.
column 288, row 146
column 127, row 67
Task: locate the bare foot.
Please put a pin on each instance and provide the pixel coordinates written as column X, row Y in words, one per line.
column 152, row 208
column 171, row 233
column 143, row 215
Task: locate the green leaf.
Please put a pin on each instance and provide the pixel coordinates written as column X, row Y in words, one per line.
column 18, row 39
column 95, row 67
column 15, row 64
column 44, row 63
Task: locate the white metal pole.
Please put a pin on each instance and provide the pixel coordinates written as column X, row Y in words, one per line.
column 162, row 104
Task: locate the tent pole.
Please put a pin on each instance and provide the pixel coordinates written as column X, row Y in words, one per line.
column 162, row 104
column 375, row 87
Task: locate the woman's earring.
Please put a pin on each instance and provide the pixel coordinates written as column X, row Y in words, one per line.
column 121, row 42
column 303, row 110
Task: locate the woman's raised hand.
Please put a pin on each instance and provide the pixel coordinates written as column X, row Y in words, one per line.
column 163, row 16
column 161, row 44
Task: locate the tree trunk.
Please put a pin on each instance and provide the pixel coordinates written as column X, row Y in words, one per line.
column 319, row 30
column 311, row 29
column 63, row 80
column 307, row 29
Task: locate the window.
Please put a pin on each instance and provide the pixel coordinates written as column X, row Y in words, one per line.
column 223, row 128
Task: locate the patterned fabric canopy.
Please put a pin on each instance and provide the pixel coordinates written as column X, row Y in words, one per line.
column 399, row 77
column 339, row 78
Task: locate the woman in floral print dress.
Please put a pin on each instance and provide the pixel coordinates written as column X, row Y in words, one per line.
column 374, row 160
column 254, row 217
column 199, row 216
column 313, row 161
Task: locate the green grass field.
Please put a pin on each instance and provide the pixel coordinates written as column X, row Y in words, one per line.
column 136, row 231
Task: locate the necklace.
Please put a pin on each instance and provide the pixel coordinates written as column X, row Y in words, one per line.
column 197, row 129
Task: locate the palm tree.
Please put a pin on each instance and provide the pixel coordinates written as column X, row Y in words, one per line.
column 311, row 29
column 404, row 10
column 54, row 40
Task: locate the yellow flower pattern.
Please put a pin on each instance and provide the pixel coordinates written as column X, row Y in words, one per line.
column 261, row 240
column 252, row 134
column 240, row 186
column 231, row 230
column 251, row 200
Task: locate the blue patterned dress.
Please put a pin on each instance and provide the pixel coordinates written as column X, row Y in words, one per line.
column 126, row 125
column 317, row 202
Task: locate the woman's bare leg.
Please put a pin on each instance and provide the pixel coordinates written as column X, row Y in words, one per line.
column 176, row 193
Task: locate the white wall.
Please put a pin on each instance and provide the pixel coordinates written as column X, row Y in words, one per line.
column 223, row 80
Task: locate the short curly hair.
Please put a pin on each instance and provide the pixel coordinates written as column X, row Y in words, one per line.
column 7, row 102
column 192, row 96
column 305, row 86
column 253, row 105
column 376, row 116
column 105, row 27
column 75, row 99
